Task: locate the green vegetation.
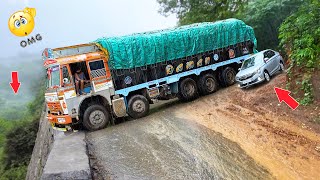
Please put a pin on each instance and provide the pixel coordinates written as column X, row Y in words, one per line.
column 266, row 16
column 17, row 141
column 193, row 11
column 19, row 116
column 300, row 37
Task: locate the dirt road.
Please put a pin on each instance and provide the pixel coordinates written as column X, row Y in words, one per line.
column 231, row 134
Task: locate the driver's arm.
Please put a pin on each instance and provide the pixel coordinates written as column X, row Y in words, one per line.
column 77, row 77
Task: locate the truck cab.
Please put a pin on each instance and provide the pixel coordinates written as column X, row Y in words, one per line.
column 66, row 107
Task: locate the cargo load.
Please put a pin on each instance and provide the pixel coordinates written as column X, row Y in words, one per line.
column 148, row 48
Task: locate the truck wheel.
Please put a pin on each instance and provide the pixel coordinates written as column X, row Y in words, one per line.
column 95, row 117
column 207, row 84
column 138, row 106
column 188, row 90
column 228, row 77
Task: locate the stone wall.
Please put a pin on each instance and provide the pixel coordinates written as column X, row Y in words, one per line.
column 41, row 149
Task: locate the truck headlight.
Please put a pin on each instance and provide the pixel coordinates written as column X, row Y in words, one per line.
column 61, row 120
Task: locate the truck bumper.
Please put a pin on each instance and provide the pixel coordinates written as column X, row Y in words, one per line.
column 60, row 123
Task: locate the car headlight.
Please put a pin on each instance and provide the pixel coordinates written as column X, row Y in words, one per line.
column 257, row 71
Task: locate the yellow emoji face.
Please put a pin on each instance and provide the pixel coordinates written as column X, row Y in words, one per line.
column 21, row 23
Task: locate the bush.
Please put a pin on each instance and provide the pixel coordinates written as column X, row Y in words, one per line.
column 14, row 173
column 300, row 37
column 19, row 144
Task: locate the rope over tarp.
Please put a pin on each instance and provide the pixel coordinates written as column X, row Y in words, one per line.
column 143, row 49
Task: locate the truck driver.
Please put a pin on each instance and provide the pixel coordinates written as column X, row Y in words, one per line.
column 80, row 78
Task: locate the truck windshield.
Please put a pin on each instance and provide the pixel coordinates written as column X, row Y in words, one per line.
column 248, row 63
column 53, row 76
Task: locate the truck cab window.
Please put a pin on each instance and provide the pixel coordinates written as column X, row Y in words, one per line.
column 54, row 76
column 97, row 69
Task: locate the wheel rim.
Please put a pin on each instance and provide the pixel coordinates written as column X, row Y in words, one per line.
column 189, row 89
column 266, row 75
column 210, row 84
column 281, row 66
column 138, row 106
column 97, row 117
column 230, row 77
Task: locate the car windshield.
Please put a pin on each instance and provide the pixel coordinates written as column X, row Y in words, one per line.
column 53, row 77
column 248, row 63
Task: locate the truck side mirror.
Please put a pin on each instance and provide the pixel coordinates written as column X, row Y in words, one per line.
column 65, row 81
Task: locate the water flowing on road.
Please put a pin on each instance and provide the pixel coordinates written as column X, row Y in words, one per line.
column 162, row 146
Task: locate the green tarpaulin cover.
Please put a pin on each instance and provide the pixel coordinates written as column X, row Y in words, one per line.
column 142, row 49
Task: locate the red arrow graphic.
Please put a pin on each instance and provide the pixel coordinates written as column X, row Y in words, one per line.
column 15, row 84
column 283, row 95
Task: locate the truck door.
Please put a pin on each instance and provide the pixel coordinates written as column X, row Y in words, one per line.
column 99, row 75
column 67, row 82
column 68, row 89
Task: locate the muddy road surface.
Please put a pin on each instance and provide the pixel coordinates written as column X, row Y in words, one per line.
column 163, row 146
column 231, row 134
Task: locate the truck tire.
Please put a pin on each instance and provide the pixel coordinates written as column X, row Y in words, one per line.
column 188, row 90
column 228, row 77
column 138, row 106
column 95, row 117
column 207, row 84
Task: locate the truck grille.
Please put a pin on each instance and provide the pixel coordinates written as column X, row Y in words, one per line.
column 54, row 107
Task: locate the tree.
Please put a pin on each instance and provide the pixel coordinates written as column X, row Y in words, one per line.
column 266, row 16
column 300, row 37
column 19, row 144
column 192, row 11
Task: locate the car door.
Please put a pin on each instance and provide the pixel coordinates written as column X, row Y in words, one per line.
column 273, row 61
column 267, row 61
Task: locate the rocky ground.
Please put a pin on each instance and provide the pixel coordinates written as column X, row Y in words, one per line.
column 233, row 133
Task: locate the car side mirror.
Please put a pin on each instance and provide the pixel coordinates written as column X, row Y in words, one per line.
column 266, row 59
column 239, row 69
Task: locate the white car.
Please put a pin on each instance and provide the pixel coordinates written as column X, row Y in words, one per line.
column 259, row 67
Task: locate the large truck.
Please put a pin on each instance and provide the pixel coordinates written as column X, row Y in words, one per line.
column 126, row 74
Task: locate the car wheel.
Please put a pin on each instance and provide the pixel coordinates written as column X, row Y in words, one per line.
column 228, row 77
column 95, row 117
column 207, row 84
column 266, row 76
column 188, row 90
column 138, row 106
